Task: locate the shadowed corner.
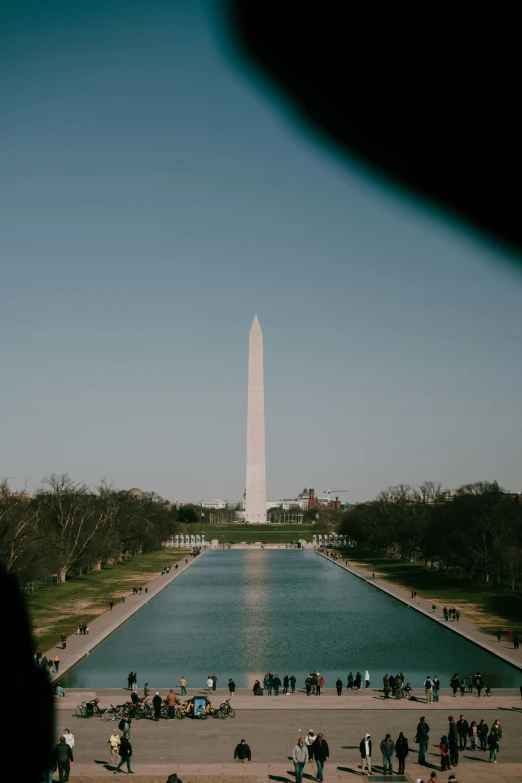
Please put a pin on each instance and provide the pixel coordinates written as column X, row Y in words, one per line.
column 33, row 688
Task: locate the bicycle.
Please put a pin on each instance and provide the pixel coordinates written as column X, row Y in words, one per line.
column 226, row 710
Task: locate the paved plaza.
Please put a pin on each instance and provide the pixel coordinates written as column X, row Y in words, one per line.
column 198, row 750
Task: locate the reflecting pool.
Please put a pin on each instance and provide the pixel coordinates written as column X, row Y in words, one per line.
column 240, row 613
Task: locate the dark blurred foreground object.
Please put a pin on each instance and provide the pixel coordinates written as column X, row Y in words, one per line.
column 426, row 95
column 27, row 736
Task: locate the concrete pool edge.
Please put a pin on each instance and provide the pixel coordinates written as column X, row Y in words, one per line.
column 79, row 646
column 465, row 628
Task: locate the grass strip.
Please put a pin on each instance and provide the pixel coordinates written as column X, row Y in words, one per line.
column 493, row 608
column 60, row 608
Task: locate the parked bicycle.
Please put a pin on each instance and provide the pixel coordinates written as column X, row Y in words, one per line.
column 226, row 710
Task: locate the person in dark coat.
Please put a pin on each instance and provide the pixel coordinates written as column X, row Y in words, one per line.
column 401, row 751
column 321, row 753
column 63, row 758
column 292, row 683
column 231, row 686
column 156, row 703
column 286, row 683
column 423, row 739
column 125, row 753
column 242, row 753
column 339, row 686
column 453, row 738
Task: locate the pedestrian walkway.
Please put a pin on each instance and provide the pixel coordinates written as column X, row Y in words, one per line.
column 463, row 627
column 365, row 699
column 283, row 772
column 80, row 645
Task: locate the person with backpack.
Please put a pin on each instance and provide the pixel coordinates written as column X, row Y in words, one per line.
column 125, row 723
column 125, row 752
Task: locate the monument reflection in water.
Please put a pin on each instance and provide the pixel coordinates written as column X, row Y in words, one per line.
column 241, row 613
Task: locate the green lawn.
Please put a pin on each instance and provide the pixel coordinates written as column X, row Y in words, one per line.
column 275, row 534
column 59, row 608
column 485, row 605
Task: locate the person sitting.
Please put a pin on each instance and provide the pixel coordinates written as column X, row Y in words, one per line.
column 58, row 690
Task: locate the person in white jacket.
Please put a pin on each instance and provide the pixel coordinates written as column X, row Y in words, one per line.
column 69, row 738
column 366, row 679
column 299, row 757
column 309, row 741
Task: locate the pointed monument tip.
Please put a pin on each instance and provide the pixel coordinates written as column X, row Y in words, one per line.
column 255, row 323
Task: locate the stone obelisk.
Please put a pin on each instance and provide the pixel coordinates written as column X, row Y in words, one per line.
column 255, row 500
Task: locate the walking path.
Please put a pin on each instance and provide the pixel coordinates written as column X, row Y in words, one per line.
column 463, row 627
column 365, row 699
column 78, row 646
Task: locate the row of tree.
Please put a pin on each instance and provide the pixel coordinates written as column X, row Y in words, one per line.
column 67, row 527
column 476, row 531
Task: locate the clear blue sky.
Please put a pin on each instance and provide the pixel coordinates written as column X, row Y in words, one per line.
column 154, row 198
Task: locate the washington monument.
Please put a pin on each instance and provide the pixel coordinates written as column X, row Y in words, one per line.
column 255, row 500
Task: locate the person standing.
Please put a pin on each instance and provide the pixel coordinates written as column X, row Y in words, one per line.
column 473, row 735
column 423, row 739
column 299, row 757
column 114, row 744
column 156, row 703
column 171, row 700
column 134, row 683
column 214, row 682
column 482, row 731
column 428, row 687
column 242, row 753
column 436, row 688
column 309, row 742
column 387, row 748
column 516, row 641
column 494, row 745
column 111, row 604
column 125, row 753
column 349, row 681
column 63, row 758
column 286, row 683
column 129, row 680
column 276, row 682
column 183, row 683
column 146, row 691
column 231, row 686
column 56, row 664
column 321, row 753
column 401, row 751
column 210, row 684
column 339, row 686
column 455, row 682
column 292, row 683
column 444, row 753
column 367, row 679
column 453, row 737
column 463, row 732
column 365, row 748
